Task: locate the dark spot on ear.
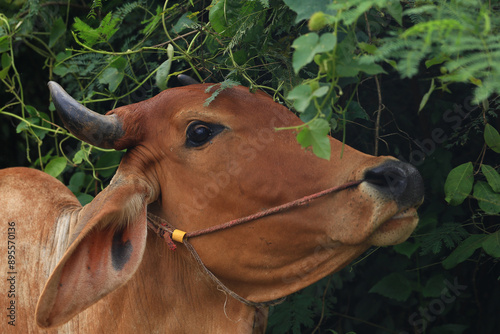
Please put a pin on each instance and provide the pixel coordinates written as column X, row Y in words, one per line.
column 120, row 251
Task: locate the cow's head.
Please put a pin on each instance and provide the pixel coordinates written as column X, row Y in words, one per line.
column 199, row 166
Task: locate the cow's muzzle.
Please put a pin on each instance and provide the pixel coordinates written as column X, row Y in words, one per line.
column 398, row 181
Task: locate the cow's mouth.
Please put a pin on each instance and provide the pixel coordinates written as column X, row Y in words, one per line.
column 400, row 219
column 409, row 212
column 396, row 229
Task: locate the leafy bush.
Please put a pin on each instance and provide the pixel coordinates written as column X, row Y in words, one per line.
column 418, row 80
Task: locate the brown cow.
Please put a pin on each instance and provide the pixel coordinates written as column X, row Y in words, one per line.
column 98, row 269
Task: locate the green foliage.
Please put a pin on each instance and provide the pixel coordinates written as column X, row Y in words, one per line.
column 492, row 177
column 162, row 75
column 228, row 83
column 464, row 251
column 55, row 166
column 491, row 244
column 488, row 200
column 308, row 45
column 459, row 36
column 394, row 286
column 314, row 135
column 296, row 314
column 492, row 138
column 107, row 28
column 420, row 78
column 448, row 234
column 96, row 5
column 459, row 184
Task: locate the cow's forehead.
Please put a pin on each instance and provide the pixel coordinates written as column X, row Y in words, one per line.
column 159, row 125
column 201, row 102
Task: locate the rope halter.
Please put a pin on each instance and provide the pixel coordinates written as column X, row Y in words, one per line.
column 170, row 234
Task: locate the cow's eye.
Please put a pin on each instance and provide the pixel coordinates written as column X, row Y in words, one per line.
column 198, row 133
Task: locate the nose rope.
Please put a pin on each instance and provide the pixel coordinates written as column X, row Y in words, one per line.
column 179, row 235
column 170, row 234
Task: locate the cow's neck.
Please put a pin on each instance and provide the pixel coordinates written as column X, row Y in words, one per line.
column 175, row 296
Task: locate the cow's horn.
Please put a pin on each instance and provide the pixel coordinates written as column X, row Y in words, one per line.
column 87, row 125
column 186, row 80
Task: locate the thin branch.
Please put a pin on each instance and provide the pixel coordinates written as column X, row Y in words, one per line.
column 377, row 83
column 379, row 113
column 322, row 305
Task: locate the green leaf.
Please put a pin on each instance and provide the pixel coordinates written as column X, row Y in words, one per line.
column 56, row 31
column 407, row 248
column 162, row 75
column 436, row 60
column 85, row 32
column 216, row 16
column 26, row 126
column 491, row 244
column 305, row 9
column 4, row 43
column 226, row 84
column 84, row 198
column 488, row 200
column 301, row 95
column 308, row 45
column 304, row 50
column 356, row 111
column 22, row 126
column 108, row 163
column 464, row 250
column 55, row 166
column 227, row 17
column 492, row 138
column 426, row 96
column 492, row 176
column 395, row 9
column 321, row 91
column 152, row 22
column 264, row 3
column 368, row 48
column 352, row 68
column 434, row 286
column 79, row 157
column 111, row 76
column 119, row 63
column 184, row 22
column 459, row 183
column 6, row 64
column 315, row 135
column 394, row 286
column 76, row 182
column 61, row 69
column 32, row 111
column 483, row 91
column 107, row 28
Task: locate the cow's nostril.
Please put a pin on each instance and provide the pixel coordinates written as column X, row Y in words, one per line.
column 390, row 179
column 398, row 181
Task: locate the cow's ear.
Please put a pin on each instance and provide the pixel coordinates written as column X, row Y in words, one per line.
column 105, row 250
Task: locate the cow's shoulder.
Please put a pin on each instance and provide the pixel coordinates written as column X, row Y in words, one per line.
column 34, row 189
